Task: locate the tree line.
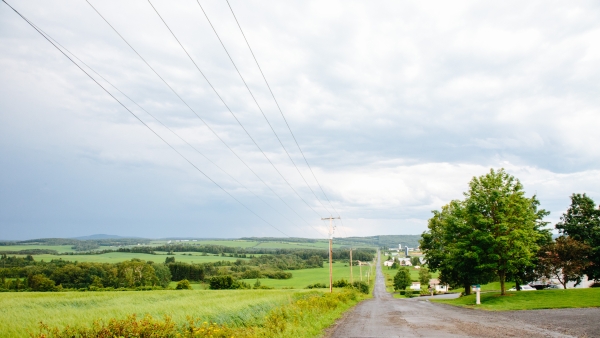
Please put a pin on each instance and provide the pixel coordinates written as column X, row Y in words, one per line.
column 496, row 233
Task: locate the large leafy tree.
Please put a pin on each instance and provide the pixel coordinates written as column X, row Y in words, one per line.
column 450, row 246
column 504, row 222
column 402, row 279
column 581, row 222
column 566, row 260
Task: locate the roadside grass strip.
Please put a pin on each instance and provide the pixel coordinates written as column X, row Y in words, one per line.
column 531, row 300
column 236, row 313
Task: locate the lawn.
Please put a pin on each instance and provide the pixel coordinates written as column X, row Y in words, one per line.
column 24, row 310
column 302, row 278
column 531, row 300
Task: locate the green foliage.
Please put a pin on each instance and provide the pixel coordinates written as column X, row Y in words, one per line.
column 40, row 282
column 566, row 260
column 424, row 276
column 342, row 283
column 581, row 222
column 415, row 261
column 221, row 282
column 362, row 287
column 183, row 285
column 317, row 286
column 402, row 279
column 496, row 230
column 170, row 260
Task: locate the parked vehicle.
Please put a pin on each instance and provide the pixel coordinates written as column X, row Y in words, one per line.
column 524, row 288
column 554, row 286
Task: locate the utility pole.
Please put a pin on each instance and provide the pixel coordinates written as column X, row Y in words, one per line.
column 360, row 266
column 330, row 251
column 351, row 266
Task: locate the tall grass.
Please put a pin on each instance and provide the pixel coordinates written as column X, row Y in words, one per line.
column 22, row 312
column 305, row 315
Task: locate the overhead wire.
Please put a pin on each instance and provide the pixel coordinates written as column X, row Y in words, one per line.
column 281, row 112
column 196, row 114
column 142, row 122
column 165, row 126
column 259, row 107
column 231, row 112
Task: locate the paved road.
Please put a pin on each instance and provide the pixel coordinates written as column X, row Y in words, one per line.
column 385, row 316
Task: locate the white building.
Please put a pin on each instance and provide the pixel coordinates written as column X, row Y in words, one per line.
column 415, row 286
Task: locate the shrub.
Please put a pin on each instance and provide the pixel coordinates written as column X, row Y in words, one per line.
column 402, row 279
column 220, row 282
column 361, row 287
column 342, row 283
column 40, row 282
column 317, row 286
column 184, row 285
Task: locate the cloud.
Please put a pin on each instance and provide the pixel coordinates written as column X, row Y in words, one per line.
column 396, row 106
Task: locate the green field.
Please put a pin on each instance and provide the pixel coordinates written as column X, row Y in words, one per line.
column 116, row 257
column 256, row 244
column 389, row 274
column 58, row 248
column 531, row 300
column 302, row 278
column 24, row 310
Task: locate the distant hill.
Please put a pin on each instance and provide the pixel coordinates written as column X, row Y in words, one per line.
column 387, row 241
column 100, row 236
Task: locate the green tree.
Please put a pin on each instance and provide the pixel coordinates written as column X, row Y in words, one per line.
column 402, row 279
column 424, row 276
column 566, row 260
column 448, row 248
column 415, row 261
column 163, row 274
column 504, row 223
column 170, row 260
column 183, row 285
column 40, row 282
column 581, row 222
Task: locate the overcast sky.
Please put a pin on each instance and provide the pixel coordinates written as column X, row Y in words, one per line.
column 395, row 104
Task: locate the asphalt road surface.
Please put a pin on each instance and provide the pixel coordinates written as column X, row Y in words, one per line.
column 384, row 316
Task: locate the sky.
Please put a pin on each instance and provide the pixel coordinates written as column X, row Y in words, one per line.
column 395, row 105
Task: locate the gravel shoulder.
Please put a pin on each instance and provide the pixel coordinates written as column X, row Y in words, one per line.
column 384, row 316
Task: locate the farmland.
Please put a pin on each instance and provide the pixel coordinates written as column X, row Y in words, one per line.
column 302, row 278
column 116, row 257
column 27, row 309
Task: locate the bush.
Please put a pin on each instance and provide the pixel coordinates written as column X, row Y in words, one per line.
column 317, row 286
column 184, row 285
column 220, row 282
column 277, row 274
column 342, row 283
column 402, row 279
column 361, row 287
column 40, row 282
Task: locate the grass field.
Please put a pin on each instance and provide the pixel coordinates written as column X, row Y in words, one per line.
column 23, row 311
column 116, row 257
column 302, row 278
column 58, row 248
column 531, row 300
column 389, row 277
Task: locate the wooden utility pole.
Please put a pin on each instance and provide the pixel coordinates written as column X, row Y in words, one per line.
column 360, row 266
column 330, row 251
column 351, row 265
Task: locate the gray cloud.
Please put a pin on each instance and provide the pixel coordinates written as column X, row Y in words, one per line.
column 396, row 105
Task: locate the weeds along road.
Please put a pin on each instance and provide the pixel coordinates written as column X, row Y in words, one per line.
column 385, row 316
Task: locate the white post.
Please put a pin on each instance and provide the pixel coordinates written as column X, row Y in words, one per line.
column 477, row 297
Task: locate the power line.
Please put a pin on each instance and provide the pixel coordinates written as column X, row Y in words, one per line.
column 141, row 121
column 258, row 105
column 229, row 109
column 194, row 112
column 161, row 123
column 281, row 111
